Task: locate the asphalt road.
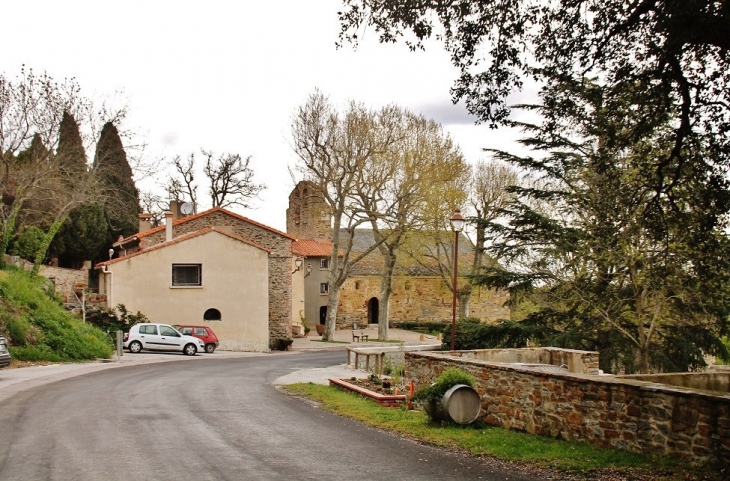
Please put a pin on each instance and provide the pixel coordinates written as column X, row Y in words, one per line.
column 213, row 420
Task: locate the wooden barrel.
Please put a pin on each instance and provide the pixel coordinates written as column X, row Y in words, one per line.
column 462, row 404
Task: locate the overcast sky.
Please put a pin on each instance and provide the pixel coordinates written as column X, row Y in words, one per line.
column 227, row 76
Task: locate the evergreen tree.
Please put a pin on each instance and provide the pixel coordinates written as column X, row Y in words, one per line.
column 122, row 204
column 71, row 153
column 642, row 278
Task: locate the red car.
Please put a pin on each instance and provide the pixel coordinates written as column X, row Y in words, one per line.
column 204, row 333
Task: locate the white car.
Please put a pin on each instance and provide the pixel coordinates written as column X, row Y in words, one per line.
column 160, row 337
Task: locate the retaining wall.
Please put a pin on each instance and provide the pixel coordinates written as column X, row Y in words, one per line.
column 606, row 410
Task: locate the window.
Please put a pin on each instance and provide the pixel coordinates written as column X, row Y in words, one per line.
column 212, row 315
column 324, row 263
column 148, row 329
column 187, row 275
column 200, row 331
column 324, row 288
column 168, row 331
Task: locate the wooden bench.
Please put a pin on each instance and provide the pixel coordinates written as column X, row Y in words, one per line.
column 359, row 337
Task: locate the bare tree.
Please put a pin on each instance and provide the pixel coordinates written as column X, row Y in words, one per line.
column 35, row 177
column 231, row 180
column 337, row 152
column 423, row 157
column 182, row 186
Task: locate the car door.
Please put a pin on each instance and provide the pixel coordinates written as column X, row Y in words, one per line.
column 170, row 338
column 202, row 333
column 149, row 336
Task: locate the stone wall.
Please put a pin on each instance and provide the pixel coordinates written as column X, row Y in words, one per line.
column 581, row 362
column 64, row 280
column 415, row 299
column 602, row 410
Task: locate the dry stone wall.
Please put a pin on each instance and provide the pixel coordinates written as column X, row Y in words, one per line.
column 415, row 299
column 602, row 410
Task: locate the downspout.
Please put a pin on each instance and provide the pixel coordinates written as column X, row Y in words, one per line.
column 109, row 287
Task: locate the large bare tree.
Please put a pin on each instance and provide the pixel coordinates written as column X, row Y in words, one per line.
column 337, row 152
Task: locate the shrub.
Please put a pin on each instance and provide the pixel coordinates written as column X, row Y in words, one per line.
column 110, row 322
column 448, row 379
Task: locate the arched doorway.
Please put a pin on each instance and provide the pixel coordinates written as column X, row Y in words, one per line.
column 373, row 310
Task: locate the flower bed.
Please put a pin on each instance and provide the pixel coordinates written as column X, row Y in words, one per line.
column 386, row 400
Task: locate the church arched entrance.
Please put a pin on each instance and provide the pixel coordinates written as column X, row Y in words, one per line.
column 373, row 310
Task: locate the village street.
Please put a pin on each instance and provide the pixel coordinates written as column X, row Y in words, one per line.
column 206, row 418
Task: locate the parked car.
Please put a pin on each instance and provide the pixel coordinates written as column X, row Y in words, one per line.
column 160, row 337
column 204, row 333
column 4, row 354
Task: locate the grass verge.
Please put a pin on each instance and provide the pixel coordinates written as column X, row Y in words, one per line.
column 482, row 440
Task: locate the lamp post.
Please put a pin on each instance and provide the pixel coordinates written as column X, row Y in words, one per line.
column 298, row 264
column 457, row 223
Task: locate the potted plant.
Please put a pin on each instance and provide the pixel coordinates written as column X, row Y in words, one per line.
column 284, row 343
column 320, row 329
column 431, row 397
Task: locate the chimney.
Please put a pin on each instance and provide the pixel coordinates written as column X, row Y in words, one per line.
column 175, row 209
column 145, row 222
column 168, row 226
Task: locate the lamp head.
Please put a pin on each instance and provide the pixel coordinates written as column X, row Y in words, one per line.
column 457, row 221
column 111, row 254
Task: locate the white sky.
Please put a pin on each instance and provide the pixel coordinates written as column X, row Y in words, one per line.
column 227, row 76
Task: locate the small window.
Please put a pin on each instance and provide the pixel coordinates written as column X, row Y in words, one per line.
column 212, row 315
column 324, row 288
column 200, row 331
column 187, row 275
column 148, row 329
column 357, row 285
column 324, row 263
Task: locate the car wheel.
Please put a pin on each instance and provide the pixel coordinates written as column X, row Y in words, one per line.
column 135, row 347
column 210, row 348
column 190, row 350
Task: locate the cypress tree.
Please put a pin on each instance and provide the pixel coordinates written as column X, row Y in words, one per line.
column 70, row 152
column 122, row 204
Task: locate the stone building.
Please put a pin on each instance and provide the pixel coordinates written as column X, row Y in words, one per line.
column 417, row 295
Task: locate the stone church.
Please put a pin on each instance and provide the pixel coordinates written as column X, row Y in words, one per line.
column 417, row 294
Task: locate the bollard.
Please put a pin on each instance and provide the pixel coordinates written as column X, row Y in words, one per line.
column 120, row 336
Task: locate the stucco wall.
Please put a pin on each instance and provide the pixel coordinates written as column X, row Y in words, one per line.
column 280, row 271
column 234, row 281
column 602, row 410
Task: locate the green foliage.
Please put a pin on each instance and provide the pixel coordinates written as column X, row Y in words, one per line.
column 122, row 204
column 112, row 320
column 26, row 244
column 448, row 379
column 40, row 328
column 70, row 151
column 419, row 326
column 84, row 236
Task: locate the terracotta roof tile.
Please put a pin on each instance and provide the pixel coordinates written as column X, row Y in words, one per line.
column 311, row 248
column 161, row 228
column 178, row 239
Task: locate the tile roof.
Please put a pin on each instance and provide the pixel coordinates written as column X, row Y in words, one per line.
column 177, row 240
column 311, row 248
column 197, row 216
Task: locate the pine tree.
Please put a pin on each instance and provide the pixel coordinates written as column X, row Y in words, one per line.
column 122, row 204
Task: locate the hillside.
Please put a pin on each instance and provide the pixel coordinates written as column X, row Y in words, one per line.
column 39, row 329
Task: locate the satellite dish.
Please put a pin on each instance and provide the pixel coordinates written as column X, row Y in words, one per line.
column 186, row 208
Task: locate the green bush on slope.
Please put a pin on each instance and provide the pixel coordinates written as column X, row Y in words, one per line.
column 39, row 328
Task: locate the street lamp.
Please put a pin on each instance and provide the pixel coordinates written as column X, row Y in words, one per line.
column 457, row 223
column 298, row 264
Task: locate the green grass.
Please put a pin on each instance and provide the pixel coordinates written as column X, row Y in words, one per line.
column 37, row 326
column 482, row 440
